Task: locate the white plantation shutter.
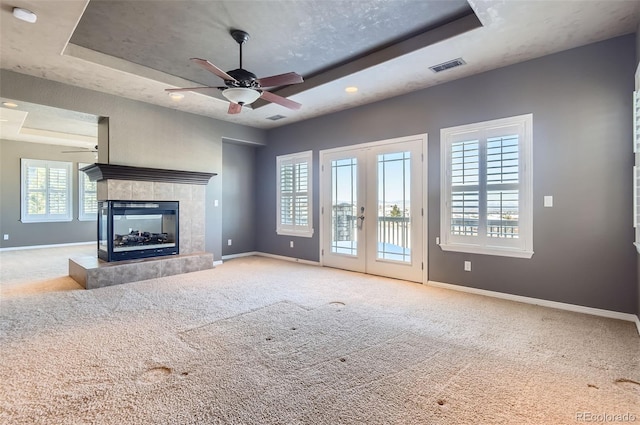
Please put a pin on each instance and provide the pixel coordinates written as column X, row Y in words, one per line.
column 46, row 191
column 503, row 188
column 636, row 198
column 87, row 196
column 294, row 194
column 286, row 194
column 465, row 195
column 636, row 122
column 486, row 187
column 301, row 200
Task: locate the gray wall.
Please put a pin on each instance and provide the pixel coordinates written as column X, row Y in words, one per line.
column 638, row 44
column 25, row 234
column 142, row 134
column 238, row 203
column 581, row 105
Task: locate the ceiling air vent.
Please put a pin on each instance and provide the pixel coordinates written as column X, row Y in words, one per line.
column 447, row 65
column 276, row 117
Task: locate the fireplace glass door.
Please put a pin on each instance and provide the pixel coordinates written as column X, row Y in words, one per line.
column 134, row 229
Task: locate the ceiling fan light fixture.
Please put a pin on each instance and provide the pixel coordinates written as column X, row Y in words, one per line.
column 241, row 95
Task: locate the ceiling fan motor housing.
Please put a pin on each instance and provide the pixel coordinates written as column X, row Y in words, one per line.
column 243, row 78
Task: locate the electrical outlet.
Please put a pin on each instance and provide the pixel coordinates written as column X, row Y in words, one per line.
column 6, row 237
column 291, row 244
column 467, row 266
column 229, row 242
column 437, row 240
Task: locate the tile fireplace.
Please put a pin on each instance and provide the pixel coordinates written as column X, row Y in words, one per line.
column 151, row 224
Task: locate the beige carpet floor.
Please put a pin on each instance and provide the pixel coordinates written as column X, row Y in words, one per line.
column 262, row 341
column 39, row 270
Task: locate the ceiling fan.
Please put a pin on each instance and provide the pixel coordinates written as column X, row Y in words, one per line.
column 243, row 87
column 94, row 151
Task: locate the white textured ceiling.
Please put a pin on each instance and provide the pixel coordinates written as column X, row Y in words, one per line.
column 512, row 31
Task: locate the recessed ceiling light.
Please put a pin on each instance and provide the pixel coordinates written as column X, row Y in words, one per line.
column 10, row 104
column 351, row 89
column 176, row 96
column 25, row 15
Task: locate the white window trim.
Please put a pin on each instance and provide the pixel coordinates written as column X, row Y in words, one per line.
column 82, row 215
column 295, row 230
column 25, row 217
column 468, row 244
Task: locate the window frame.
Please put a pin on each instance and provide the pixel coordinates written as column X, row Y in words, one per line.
column 82, row 214
column 521, row 247
column 48, row 217
column 305, row 231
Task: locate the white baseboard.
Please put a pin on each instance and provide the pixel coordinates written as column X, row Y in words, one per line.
column 544, row 303
column 285, row 258
column 242, row 254
column 277, row 257
column 217, row 263
column 59, row 245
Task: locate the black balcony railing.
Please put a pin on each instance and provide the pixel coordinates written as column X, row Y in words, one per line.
column 495, row 228
column 391, row 230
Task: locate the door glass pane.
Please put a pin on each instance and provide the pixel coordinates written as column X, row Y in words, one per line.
column 394, row 206
column 344, row 198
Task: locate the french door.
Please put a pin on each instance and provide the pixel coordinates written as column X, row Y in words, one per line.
column 372, row 208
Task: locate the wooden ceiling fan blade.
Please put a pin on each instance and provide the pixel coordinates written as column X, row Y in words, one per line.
column 234, row 108
column 212, row 68
column 281, row 80
column 283, row 101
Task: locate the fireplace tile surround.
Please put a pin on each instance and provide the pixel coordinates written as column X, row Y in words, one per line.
column 145, row 184
column 190, row 196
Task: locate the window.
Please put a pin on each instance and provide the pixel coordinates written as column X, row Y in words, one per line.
column 294, row 194
column 45, row 190
column 486, row 196
column 87, row 196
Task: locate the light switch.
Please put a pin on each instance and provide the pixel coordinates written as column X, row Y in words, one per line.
column 548, row 201
column 215, row 202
